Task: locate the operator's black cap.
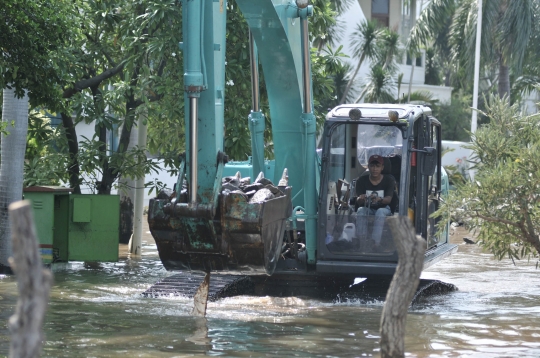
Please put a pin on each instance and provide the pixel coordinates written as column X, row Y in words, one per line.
column 376, row 158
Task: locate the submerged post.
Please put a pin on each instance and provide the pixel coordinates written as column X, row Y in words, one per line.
column 411, row 249
column 200, row 300
column 34, row 284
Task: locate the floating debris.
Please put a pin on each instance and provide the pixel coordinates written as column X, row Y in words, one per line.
column 469, row 241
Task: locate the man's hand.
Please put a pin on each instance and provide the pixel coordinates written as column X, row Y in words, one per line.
column 361, row 199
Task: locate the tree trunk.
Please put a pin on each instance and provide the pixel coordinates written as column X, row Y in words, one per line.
column 111, row 174
column 12, row 153
column 411, row 249
column 504, row 79
column 73, row 148
column 127, row 197
column 410, row 79
column 33, row 283
column 351, row 81
column 447, row 78
column 105, row 185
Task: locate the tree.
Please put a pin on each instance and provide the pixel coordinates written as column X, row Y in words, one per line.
column 364, row 47
column 379, row 87
column 507, row 29
column 503, row 200
column 14, row 112
column 455, row 117
column 380, row 84
column 30, row 31
column 30, row 34
column 123, row 56
column 433, row 75
column 120, row 55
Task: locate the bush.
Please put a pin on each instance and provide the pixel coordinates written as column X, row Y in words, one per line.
column 455, row 117
column 503, row 200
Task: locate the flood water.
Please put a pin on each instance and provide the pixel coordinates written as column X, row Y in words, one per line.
column 100, row 312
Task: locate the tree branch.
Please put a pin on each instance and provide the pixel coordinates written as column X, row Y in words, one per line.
column 105, row 53
column 93, row 81
column 497, row 220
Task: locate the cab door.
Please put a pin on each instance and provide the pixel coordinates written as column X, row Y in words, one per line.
column 435, row 188
column 428, row 177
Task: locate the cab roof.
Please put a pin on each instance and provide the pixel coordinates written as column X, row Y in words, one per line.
column 374, row 110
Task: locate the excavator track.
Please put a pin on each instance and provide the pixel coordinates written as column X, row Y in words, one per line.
column 373, row 290
column 185, row 284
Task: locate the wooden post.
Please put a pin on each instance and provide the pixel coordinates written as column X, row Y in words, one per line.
column 33, row 281
column 200, row 300
column 411, row 249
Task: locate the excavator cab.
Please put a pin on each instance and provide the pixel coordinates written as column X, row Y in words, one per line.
column 409, row 140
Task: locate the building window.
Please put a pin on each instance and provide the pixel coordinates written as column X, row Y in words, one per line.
column 417, row 61
column 380, row 11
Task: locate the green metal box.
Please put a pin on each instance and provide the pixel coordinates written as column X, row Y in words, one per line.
column 75, row 227
column 46, row 209
column 82, row 210
column 94, row 227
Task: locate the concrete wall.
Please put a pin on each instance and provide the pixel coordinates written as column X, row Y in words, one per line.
column 395, row 14
column 443, row 94
column 530, row 103
column 419, row 73
column 366, row 8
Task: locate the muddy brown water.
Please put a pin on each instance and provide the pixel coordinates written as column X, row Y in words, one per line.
column 99, row 312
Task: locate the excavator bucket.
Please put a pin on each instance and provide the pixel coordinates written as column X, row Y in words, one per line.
column 244, row 236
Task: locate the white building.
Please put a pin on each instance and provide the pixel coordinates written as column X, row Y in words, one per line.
column 399, row 15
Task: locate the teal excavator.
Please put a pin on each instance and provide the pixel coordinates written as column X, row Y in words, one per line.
column 290, row 223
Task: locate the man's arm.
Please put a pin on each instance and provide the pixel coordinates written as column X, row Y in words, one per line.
column 360, row 191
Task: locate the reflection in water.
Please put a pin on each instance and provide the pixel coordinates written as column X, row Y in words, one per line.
column 200, row 336
column 99, row 312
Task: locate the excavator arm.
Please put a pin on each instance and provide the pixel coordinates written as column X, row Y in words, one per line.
column 201, row 226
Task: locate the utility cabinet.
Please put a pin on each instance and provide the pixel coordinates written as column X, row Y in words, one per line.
column 75, row 227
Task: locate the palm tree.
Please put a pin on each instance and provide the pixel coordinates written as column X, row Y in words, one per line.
column 324, row 29
column 529, row 79
column 388, row 49
column 379, row 87
column 364, row 46
column 507, row 29
column 324, row 25
column 380, row 80
column 13, row 148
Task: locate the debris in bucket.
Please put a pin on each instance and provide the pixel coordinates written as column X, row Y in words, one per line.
column 261, row 190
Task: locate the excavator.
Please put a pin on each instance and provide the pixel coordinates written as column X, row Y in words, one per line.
column 287, row 226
